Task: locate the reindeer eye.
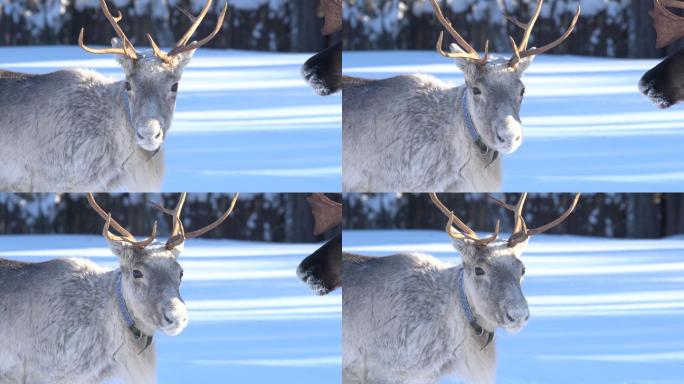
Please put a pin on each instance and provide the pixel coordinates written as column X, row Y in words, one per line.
column 522, row 92
column 174, row 88
column 476, row 91
column 479, row 271
column 137, row 274
column 181, row 275
column 128, row 86
column 523, row 271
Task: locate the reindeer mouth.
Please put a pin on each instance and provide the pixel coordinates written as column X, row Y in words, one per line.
column 514, row 328
column 657, row 97
column 174, row 329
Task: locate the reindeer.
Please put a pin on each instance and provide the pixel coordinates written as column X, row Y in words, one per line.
column 661, row 84
column 409, row 318
column 416, row 133
column 72, row 321
column 321, row 270
column 323, row 70
column 76, row 130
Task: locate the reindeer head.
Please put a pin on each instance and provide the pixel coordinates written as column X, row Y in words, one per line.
column 493, row 268
column 494, row 86
column 152, row 76
column 663, row 84
column 150, row 273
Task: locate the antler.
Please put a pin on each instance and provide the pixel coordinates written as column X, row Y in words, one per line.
column 465, row 231
column 469, row 52
column 332, row 9
column 125, row 235
column 178, row 234
column 520, row 233
column 126, row 49
column 669, row 27
column 327, row 213
column 520, row 50
column 183, row 46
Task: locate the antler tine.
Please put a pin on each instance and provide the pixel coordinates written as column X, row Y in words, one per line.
column 126, row 49
column 187, row 14
column 494, row 236
column 138, row 244
column 177, row 235
column 461, row 225
column 560, row 219
column 520, row 51
column 502, row 203
column 127, row 237
column 182, row 46
column 557, row 42
column 455, row 55
column 98, row 51
column 455, row 233
column 519, row 221
column 196, row 21
column 447, row 24
column 519, row 227
column 522, row 233
column 157, row 51
column 216, row 223
column 672, row 3
column 469, row 52
column 529, row 26
column 118, row 227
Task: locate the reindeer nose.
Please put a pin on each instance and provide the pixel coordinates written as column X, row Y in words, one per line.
column 518, row 315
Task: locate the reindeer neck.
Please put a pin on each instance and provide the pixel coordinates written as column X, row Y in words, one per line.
column 471, row 319
column 133, row 329
column 470, row 133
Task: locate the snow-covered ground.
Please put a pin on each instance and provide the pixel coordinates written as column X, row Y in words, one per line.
column 251, row 319
column 602, row 310
column 586, row 126
column 244, row 120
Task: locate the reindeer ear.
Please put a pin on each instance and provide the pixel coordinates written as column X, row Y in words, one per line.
column 122, row 250
column 463, row 64
column 466, row 66
column 523, row 64
column 183, row 58
column 466, row 248
column 519, row 248
column 177, row 250
column 123, row 61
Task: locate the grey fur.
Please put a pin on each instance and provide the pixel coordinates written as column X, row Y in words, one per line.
column 407, row 133
column 70, row 131
column 60, row 322
column 403, row 322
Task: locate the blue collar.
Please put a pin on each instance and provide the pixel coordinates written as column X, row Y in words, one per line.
column 123, row 309
column 470, row 125
column 467, row 310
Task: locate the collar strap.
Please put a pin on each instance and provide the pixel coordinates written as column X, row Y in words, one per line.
column 470, row 125
column 123, row 309
column 470, row 315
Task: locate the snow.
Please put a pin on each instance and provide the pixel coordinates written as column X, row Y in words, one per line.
column 602, row 310
column 586, row 126
column 244, row 120
column 251, row 319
